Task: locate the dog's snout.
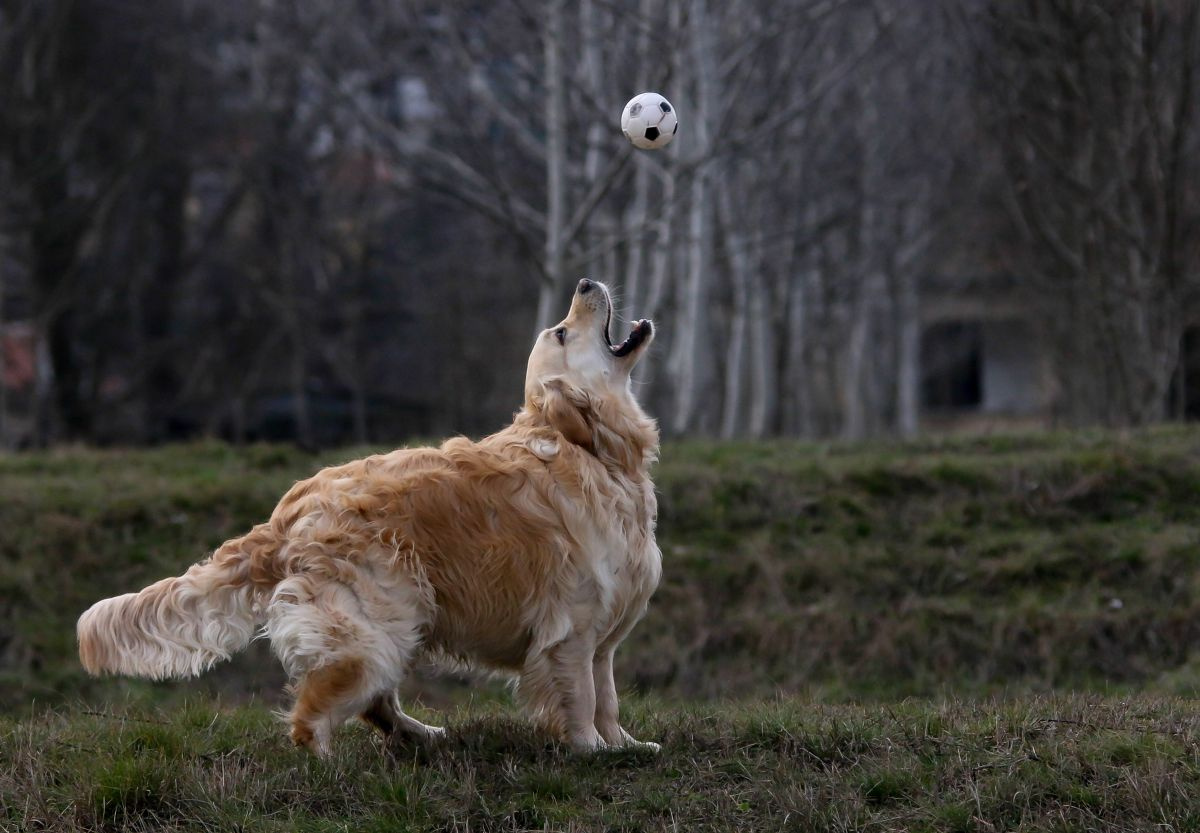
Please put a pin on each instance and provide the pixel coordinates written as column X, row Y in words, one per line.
column 586, row 286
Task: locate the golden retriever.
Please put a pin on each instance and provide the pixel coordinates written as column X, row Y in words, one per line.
column 531, row 552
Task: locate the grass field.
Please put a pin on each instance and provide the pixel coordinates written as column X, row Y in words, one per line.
column 1057, row 763
column 972, row 634
column 984, row 566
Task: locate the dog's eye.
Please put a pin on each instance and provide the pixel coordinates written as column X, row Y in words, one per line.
column 561, row 335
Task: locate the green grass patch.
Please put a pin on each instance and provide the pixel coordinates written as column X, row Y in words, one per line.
column 1028, row 763
column 972, row 565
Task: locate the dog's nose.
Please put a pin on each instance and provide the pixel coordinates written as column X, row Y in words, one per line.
column 585, row 286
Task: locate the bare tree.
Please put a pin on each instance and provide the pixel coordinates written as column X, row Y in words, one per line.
column 299, row 214
column 1094, row 109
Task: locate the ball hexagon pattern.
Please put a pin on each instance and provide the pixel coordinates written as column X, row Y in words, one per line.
column 649, row 121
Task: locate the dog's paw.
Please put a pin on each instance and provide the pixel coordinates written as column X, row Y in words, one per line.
column 588, row 744
column 643, row 746
column 628, row 741
column 631, row 744
column 433, row 738
column 418, row 744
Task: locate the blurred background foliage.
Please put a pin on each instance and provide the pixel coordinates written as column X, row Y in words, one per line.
column 337, row 223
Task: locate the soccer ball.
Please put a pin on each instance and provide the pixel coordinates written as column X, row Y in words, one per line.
column 649, row 121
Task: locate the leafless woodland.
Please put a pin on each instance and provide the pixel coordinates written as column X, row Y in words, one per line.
column 335, row 222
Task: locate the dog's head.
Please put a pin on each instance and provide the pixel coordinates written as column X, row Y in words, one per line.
column 577, row 381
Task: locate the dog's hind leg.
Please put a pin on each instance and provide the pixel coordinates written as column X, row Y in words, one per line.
column 399, row 729
column 325, row 698
column 345, row 647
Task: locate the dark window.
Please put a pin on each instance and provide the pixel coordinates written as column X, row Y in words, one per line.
column 951, row 366
column 1184, row 398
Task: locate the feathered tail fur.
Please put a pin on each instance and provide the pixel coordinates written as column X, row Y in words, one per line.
column 182, row 626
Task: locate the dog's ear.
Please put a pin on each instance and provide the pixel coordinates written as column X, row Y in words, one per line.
column 567, row 409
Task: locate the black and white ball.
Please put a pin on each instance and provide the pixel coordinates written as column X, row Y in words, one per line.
column 649, row 121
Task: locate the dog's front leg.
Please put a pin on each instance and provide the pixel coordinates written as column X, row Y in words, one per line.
column 559, row 690
column 608, row 721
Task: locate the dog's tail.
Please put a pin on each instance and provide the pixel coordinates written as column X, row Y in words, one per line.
column 181, row 626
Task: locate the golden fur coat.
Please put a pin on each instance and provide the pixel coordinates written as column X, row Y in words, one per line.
column 530, row 551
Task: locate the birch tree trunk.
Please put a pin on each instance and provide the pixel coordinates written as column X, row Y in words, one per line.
column 556, row 164
column 908, row 357
column 592, row 74
column 635, row 226
column 865, row 256
column 854, row 425
column 798, row 417
column 736, row 342
column 693, row 358
column 734, row 395
column 636, row 214
column 762, row 377
column 298, row 346
column 662, row 247
column 664, row 244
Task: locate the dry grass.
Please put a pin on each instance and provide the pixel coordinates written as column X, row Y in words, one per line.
column 981, row 576
column 1060, row 763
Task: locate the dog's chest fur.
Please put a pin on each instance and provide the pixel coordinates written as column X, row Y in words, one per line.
column 624, row 563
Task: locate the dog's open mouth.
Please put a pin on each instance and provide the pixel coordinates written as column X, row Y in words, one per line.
column 642, row 330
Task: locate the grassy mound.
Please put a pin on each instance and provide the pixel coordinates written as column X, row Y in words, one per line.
column 967, row 566
column 1060, row 763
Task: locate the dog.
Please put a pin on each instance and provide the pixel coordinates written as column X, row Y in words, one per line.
column 530, row 552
